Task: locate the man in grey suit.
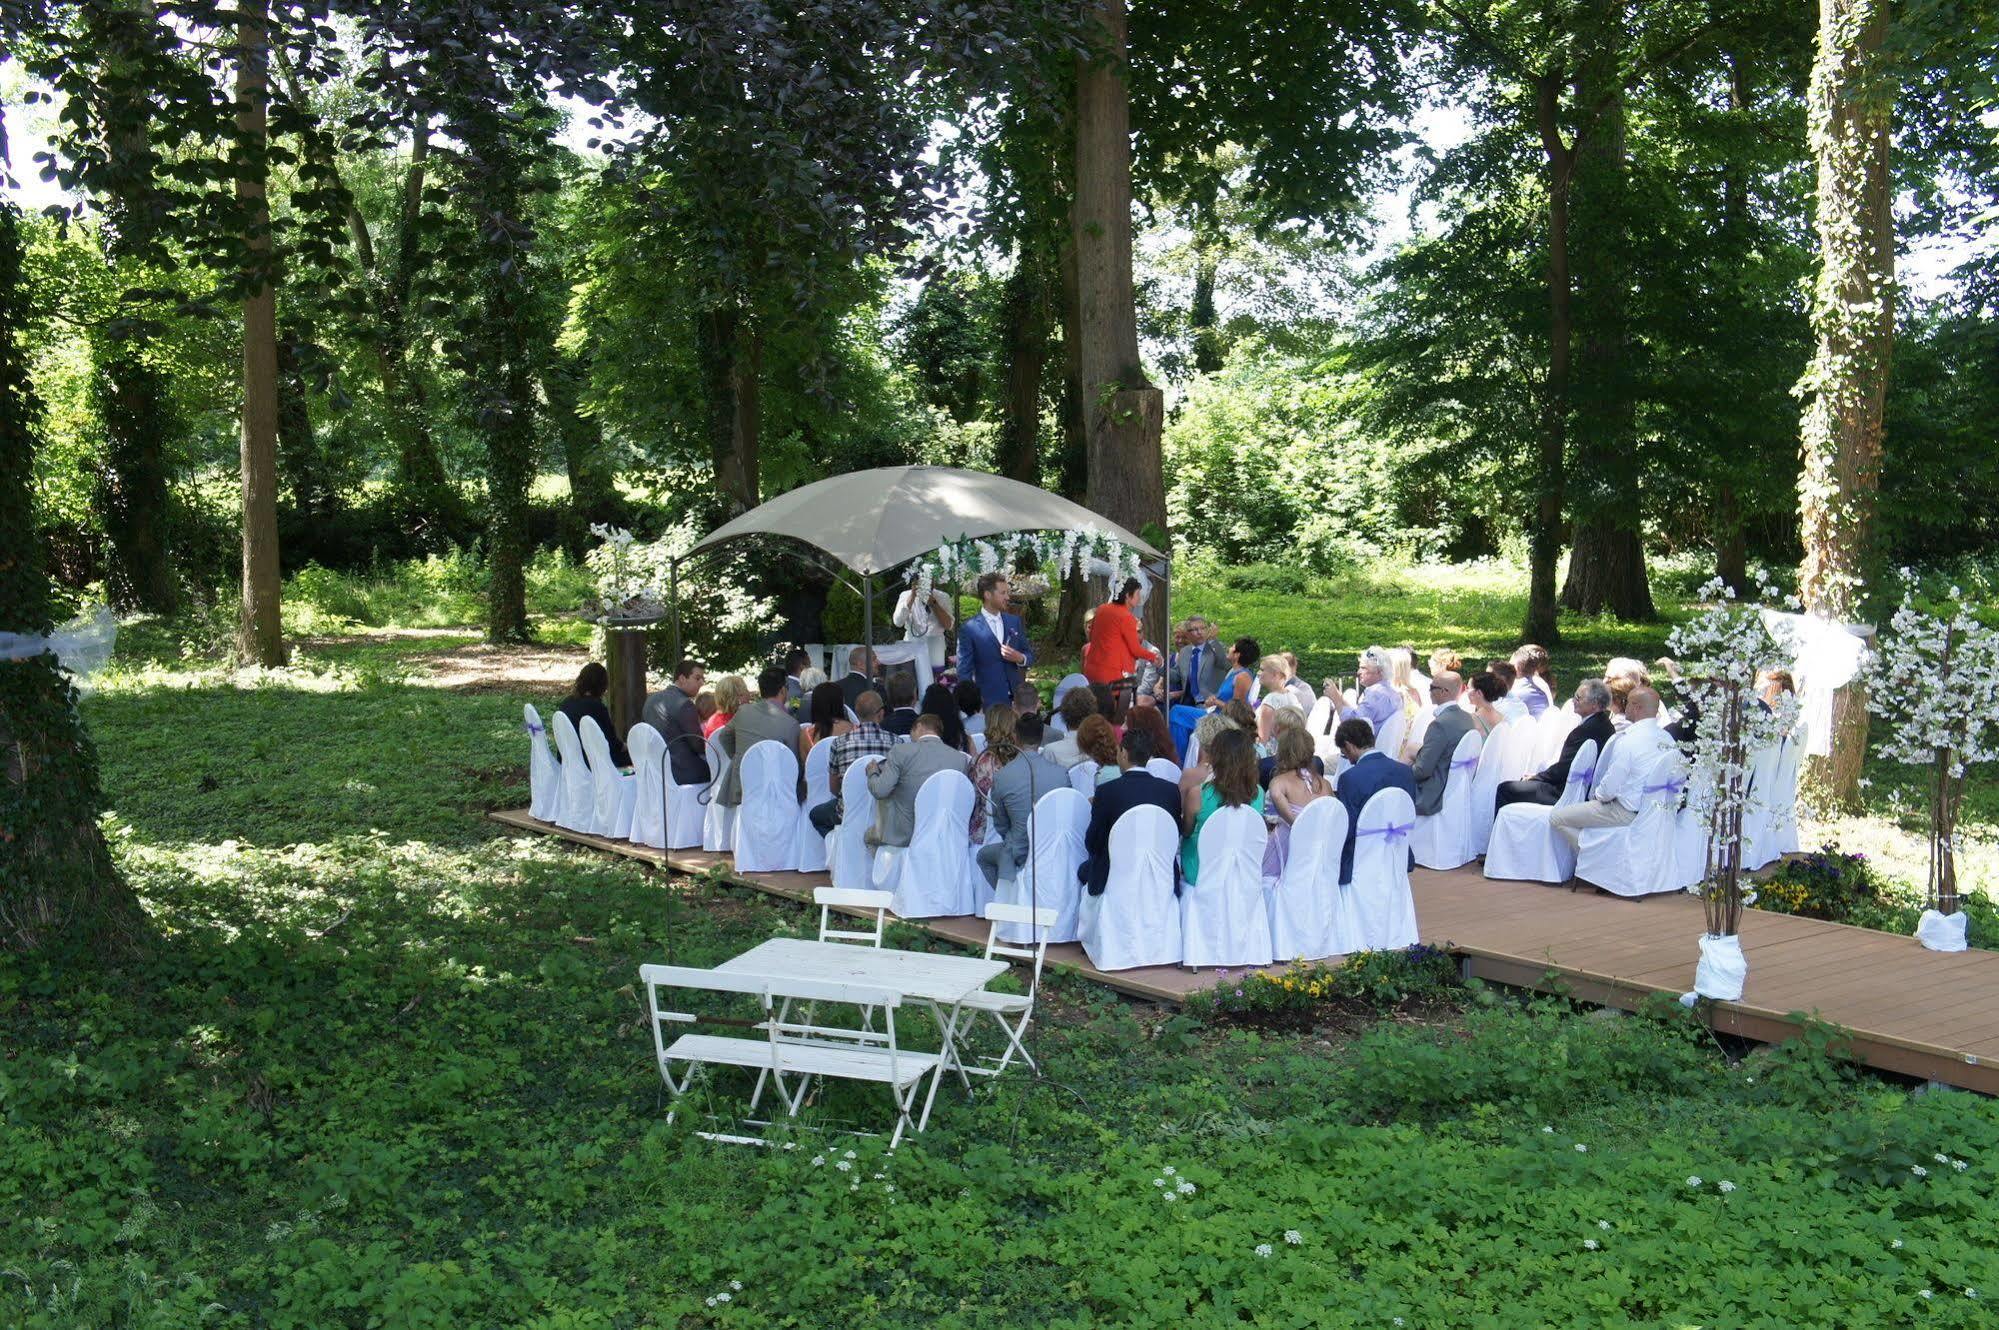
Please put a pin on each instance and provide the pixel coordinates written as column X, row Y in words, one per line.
column 1015, row 788
column 671, row 712
column 753, row 724
column 895, row 779
column 1451, row 723
column 1201, row 665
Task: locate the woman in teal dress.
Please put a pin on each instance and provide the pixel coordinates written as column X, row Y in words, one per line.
column 1231, row 783
column 1243, row 657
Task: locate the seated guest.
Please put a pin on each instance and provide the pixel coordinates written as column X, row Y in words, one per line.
column 1198, row 667
column 860, row 677
column 1370, row 774
column 1196, row 773
column 1231, row 783
column 1273, row 723
column 1022, row 779
column 1152, row 721
column 704, row 705
column 1482, row 700
column 1242, row 713
column 796, row 689
column 587, row 699
column 1408, row 684
column 1001, row 744
column 1446, row 661
column 1636, row 761
column 730, row 694
column 756, row 722
column 902, row 712
column 1096, row 739
column 1620, row 688
column 1507, row 705
column 1532, row 689
column 1592, row 704
column 1235, row 686
column 1077, row 706
column 865, row 738
column 1271, row 674
column 971, row 708
column 1116, row 645
column 895, row 780
column 1297, row 778
column 827, row 706
column 1378, row 701
column 942, row 703
column 1026, row 700
column 675, row 713
column 1267, row 712
column 812, row 677
column 1134, row 787
column 1432, row 767
column 1624, row 667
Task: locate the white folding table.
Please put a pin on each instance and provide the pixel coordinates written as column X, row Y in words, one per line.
column 943, row 982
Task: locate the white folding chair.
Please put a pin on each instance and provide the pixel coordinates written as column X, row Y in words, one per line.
column 978, row 742
column 851, row 859
column 1383, row 903
column 578, row 807
column 1524, row 848
column 1083, row 778
column 648, row 752
column 1136, row 920
column 544, row 772
column 1505, row 756
column 1310, row 915
column 1443, row 839
column 1223, row 919
column 718, row 827
column 1639, row 858
column 1165, row 768
column 826, row 898
column 1554, row 726
column 612, row 791
column 928, row 876
column 1048, row 880
column 1320, row 722
column 767, row 821
column 1011, row 1011
column 809, row 850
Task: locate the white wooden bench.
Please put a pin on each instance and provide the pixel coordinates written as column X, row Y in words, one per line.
column 786, row 1052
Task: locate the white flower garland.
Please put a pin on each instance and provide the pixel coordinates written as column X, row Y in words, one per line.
column 1054, row 555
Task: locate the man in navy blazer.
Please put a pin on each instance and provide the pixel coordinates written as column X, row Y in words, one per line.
column 1370, row 774
column 1133, row 787
column 992, row 644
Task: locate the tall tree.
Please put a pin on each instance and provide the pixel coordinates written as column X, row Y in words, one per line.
column 1853, row 319
column 260, row 633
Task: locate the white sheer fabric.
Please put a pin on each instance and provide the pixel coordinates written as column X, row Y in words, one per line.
column 1136, row 921
column 544, row 772
column 852, row 860
column 1758, row 823
column 809, row 850
column 648, row 752
column 1444, row 838
column 1048, row 881
column 767, row 822
column 928, row 876
column 1223, row 920
column 1524, row 847
column 718, row 827
column 1384, row 906
column 612, row 791
column 578, row 806
column 1784, row 817
column 1507, row 755
column 1083, row 778
column 1165, row 768
column 1310, row 916
column 1641, row 858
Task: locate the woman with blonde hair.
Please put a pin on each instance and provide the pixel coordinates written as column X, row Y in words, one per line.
column 1294, row 783
column 1401, row 677
column 730, row 693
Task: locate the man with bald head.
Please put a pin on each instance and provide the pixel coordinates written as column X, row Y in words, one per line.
column 1639, row 758
column 1448, row 723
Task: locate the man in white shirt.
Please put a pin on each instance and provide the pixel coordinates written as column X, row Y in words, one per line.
column 1632, row 761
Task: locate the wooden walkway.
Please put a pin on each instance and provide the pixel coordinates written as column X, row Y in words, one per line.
column 1906, row 1010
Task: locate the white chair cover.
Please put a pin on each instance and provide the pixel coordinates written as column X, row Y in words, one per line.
column 1193, row 752
column 851, row 858
column 718, row 827
column 686, row 809
column 612, row 791
column 1784, row 814
column 1165, row 768
column 1444, row 838
column 1070, row 683
column 1083, row 778
column 978, row 742
column 809, row 851
column 1640, row 859
column 1136, row 921
column 1758, row 819
column 1310, row 916
column 1555, row 724
column 1384, row 906
column 578, row 806
column 648, row 752
column 767, row 822
column 1048, row 881
column 1690, row 846
column 1524, row 847
column 1223, row 920
column 544, row 772
column 928, row 877
column 1507, row 755
column 1389, row 741
column 1419, row 725
column 1320, row 722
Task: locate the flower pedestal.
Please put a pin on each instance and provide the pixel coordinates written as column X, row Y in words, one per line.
column 1722, row 969
column 625, row 658
column 1943, row 932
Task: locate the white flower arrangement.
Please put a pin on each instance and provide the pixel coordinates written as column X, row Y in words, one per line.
column 629, row 576
column 1033, row 561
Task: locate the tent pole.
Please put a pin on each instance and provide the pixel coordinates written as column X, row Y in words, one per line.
column 868, row 615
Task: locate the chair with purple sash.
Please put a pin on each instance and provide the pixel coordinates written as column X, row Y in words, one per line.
column 1383, row 903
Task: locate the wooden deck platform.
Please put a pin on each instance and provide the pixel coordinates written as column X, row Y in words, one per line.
column 1907, row 1010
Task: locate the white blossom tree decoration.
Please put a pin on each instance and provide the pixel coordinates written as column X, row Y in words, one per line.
column 1935, row 681
column 629, row 576
column 1722, row 651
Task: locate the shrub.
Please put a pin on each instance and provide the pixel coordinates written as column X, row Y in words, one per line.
column 1822, row 885
column 1377, row 979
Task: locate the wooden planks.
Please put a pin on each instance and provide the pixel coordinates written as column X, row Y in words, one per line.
column 1909, row 1011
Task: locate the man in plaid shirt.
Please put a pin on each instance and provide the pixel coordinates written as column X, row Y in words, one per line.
column 867, row 737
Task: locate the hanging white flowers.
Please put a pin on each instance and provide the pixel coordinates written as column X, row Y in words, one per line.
column 1935, row 680
column 1035, row 561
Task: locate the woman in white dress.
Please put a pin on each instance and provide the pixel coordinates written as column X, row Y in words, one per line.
column 925, row 620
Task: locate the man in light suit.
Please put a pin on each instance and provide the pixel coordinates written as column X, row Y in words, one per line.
column 992, row 644
column 765, row 719
column 1637, row 758
column 1432, row 767
column 1370, row 774
column 1201, row 665
column 1016, row 787
column 895, row 779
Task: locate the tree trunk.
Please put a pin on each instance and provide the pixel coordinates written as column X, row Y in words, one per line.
column 1849, row 119
column 59, row 887
column 1607, row 571
column 1024, row 318
column 1123, row 413
column 1731, row 541
column 426, row 491
column 1545, row 529
column 593, row 493
column 301, row 464
column 506, row 420
column 729, row 354
column 1208, row 352
column 260, row 635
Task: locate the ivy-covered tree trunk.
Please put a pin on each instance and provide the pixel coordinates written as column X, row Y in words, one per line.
column 1544, row 532
column 1201, row 317
column 504, row 415
column 593, row 493
column 1849, row 115
column 260, row 634
column 423, row 489
column 1025, row 317
column 58, row 885
column 302, row 462
column 729, row 353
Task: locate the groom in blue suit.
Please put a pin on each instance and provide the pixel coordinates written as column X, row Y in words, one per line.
column 993, row 650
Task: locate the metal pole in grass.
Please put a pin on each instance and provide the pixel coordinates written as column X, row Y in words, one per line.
column 673, row 596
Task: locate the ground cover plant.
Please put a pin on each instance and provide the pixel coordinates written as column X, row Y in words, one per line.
column 386, row 1065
